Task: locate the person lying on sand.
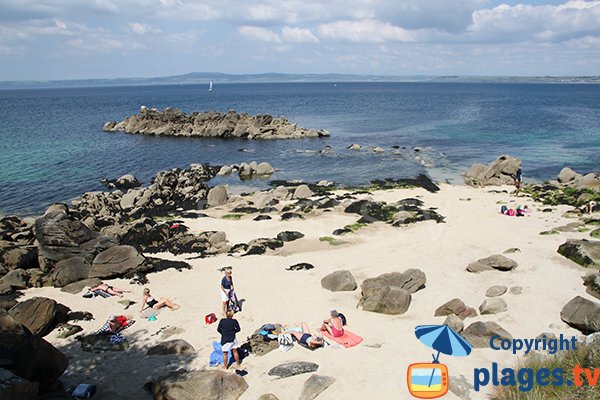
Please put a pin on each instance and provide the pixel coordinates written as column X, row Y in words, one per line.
column 114, row 324
column 110, row 289
column 307, row 338
column 151, row 302
column 334, row 325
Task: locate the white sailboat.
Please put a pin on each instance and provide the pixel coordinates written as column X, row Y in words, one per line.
column 210, row 86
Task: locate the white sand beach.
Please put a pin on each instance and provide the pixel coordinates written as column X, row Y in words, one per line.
column 376, row 368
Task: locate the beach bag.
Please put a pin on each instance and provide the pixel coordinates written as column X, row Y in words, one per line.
column 116, row 338
column 285, row 341
column 503, row 209
column 511, row 212
column 84, row 391
column 210, row 318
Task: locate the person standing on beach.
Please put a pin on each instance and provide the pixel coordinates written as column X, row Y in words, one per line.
column 226, row 287
column 518, row 181
column 228, row 327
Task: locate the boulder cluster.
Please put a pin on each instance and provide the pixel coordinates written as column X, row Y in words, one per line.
column 502, row 171
column 173, row 122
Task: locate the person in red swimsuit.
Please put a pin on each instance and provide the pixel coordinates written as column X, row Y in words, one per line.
column 334, row 325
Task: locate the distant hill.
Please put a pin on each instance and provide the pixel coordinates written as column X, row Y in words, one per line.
column 217, row 77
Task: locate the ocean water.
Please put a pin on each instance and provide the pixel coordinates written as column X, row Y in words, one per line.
column 53, row 148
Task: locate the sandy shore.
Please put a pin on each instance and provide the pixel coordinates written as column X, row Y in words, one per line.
column 375, row 369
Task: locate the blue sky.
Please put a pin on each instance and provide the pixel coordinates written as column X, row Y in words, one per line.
column 70, row 39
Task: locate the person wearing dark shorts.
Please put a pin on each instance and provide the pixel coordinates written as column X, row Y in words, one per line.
column 228, row 327
column 518, row 181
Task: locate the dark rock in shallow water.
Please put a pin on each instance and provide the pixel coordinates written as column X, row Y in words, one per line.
column 123, row 183
column 300, row 267
column 292, row 369
column 289, row 236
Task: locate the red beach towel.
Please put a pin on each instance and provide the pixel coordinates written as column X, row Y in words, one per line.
column 348, row 339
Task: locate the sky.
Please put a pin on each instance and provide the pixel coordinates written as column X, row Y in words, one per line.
column 80, row 39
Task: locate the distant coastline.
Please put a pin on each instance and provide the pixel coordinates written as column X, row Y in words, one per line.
column 222, row 78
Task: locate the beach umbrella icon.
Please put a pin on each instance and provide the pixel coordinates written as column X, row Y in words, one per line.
column 443, row 339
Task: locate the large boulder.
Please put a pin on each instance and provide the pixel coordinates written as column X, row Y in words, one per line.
column 390, row 300
column 479, row 333
column 115, row 262
column 59, row 237
column 500, row 172
column 126, row 182
column 567, row 175
column 217, row 196
column 292, row 369
column 592, row 283
column 70, row 270
column 303, row 192
column 198, row 385
column 37, row 314
column 22, row 257
column 264, row 168
column 17, row 388
column 77, row 287
column 455, row 307
column 29, row 356
column 411, row 280
column 495, row 262
column 582, row 314
column 175, row 346
column 314, row 386
column 16, row 279
column 584, row 252
column 493, row 306
column 339, row 281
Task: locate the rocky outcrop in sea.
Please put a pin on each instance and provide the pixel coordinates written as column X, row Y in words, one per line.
column 211, row 124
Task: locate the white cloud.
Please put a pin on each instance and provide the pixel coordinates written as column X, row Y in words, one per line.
column 258, row 33
column 522, row 22
column 298, row 35
column 140, row 28
column 365, row 31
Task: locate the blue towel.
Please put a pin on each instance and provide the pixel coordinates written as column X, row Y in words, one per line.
column 216, row 357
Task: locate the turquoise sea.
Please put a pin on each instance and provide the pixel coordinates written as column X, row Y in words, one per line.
column 53, row 147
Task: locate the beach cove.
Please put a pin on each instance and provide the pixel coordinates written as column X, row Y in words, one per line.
column 304, row 233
